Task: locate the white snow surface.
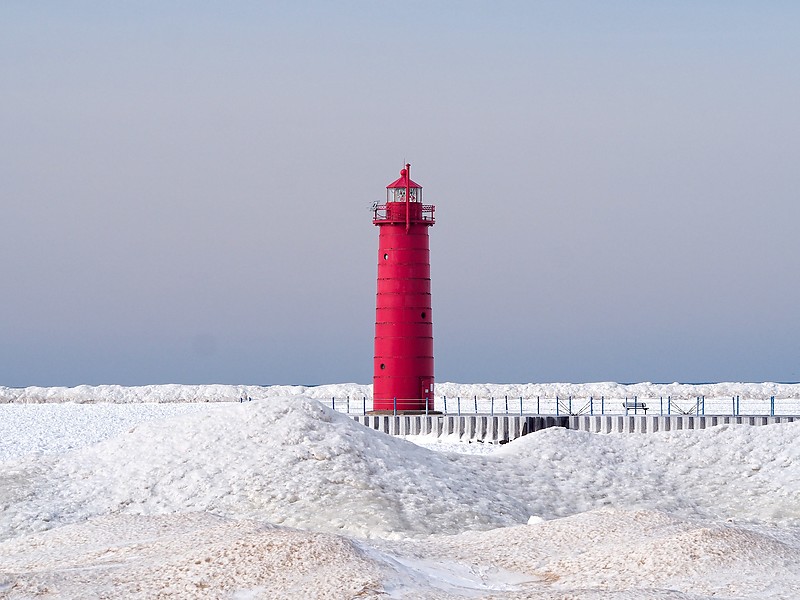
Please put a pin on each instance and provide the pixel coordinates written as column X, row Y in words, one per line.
column 227, row 393
column 285, row 498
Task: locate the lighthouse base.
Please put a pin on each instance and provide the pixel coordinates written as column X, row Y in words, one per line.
column 404, row 412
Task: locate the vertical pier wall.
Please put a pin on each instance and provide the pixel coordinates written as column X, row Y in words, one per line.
column 504, row 428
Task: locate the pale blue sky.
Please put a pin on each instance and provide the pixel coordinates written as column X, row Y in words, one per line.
column 185, row 188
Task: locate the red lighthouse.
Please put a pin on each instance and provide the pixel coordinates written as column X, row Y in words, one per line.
column 403, row 378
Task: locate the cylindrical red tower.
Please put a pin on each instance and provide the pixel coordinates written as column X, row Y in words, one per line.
column 403, row 377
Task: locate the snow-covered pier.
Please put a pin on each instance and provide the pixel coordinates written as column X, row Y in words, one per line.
column 504, row 428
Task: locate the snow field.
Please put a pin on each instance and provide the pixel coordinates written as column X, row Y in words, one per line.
column 56, row 428
column 286, row 498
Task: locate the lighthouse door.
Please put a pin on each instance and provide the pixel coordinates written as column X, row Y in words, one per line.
column 427, row 388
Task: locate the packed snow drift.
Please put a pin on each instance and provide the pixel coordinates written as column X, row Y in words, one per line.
column 286, row 498
column 118, row 394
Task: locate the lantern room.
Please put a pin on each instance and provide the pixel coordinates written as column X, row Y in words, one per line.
column 403, row 203
column 398, row 190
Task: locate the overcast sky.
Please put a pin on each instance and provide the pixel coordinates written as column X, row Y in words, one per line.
column 186, row 186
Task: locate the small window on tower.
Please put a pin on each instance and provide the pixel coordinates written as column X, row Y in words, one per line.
column 424, row 315
column 385, row 257
column 383, row 366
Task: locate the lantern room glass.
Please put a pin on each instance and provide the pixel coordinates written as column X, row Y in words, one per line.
column 399, row 195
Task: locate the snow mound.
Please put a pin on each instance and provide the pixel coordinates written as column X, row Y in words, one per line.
column 296, row 463
column 615, row 552
column 185, row 556
column 291, row 462
column 729, row 472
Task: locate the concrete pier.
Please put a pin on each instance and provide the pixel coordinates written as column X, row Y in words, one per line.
column 504, row 428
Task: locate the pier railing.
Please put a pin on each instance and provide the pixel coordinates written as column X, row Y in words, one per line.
column 592, row 405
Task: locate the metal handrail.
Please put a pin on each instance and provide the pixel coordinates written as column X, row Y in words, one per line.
column 593, row 405
column 427, row 214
